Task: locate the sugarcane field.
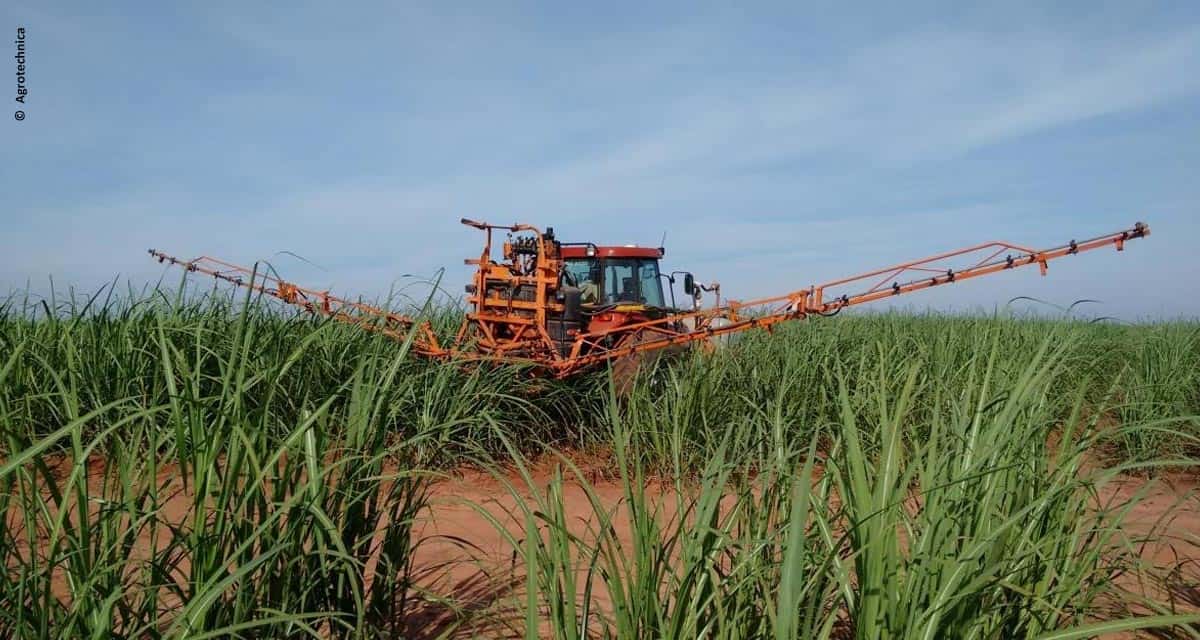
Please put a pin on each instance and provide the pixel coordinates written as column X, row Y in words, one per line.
column 636, row 322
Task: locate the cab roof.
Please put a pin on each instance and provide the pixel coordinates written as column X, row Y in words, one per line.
column 581, row 251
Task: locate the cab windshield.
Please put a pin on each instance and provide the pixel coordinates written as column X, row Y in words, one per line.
column 621, row 280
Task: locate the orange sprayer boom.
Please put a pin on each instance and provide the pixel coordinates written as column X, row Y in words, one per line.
column 531, row 306
column 391, row 324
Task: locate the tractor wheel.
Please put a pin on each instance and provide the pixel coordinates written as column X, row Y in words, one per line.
column 625, row 369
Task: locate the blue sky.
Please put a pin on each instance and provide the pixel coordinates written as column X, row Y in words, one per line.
column 777, row 145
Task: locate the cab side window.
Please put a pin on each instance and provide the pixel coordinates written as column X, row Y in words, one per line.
column 577, row 271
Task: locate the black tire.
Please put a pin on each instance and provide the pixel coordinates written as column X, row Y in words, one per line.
column 626, row 368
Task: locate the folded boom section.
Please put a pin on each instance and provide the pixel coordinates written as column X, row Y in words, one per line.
column 393, row 325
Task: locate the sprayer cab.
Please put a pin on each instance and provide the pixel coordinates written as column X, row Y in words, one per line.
column 627, row 275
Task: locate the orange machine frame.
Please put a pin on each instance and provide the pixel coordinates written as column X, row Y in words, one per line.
column 512, row 300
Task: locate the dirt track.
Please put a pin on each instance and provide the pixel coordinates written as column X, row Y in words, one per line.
column 482, row 569
column 462, row 555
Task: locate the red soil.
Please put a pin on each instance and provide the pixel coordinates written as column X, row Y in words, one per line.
column 483, row 568
column 462, row 555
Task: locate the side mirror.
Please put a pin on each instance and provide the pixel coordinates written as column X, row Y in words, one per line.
column 689, row 284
